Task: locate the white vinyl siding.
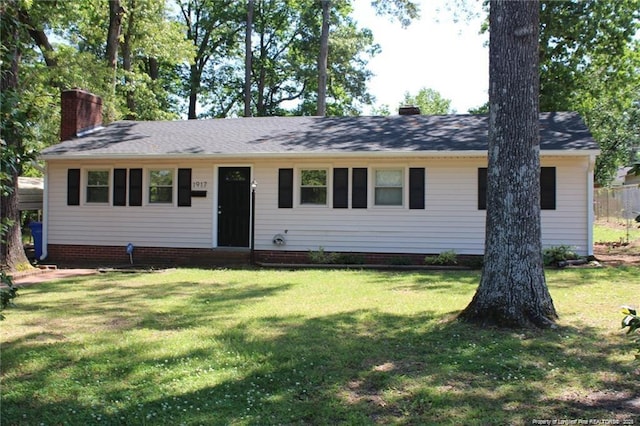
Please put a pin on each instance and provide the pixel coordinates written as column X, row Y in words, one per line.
column 157, row 225
column 450, row 220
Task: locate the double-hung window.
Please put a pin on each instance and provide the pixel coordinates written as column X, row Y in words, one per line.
column 388, row 187
column 313, row 187
column 97, row 186
column 160, row 186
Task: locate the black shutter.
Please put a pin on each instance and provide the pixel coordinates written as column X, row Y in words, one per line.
column 285, row 188
column 73, row 187
column 416, row 188
column 119, row 187
column 548, row 188
column 135, row 187
column 482, row 188
column 340, row 188
column 184, row 187
column 359, row 191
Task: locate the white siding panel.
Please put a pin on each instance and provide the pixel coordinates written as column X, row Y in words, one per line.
column 148, row 225
column 450, row 220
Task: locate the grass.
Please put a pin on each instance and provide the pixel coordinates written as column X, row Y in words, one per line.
column 616, row 231
column 264, row 347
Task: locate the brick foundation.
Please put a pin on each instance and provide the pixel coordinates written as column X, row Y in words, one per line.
column 398, row 259
column 166, row 256
column 82, row 255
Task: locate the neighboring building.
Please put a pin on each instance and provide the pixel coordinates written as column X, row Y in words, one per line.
column 30, row 190
column 180, row 191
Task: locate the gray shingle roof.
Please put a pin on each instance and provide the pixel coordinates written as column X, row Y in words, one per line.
column 312, row 135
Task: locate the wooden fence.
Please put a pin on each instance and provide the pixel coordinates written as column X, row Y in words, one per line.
column 617, row 203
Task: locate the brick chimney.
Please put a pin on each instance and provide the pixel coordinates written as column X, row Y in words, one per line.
column 81, row 112
column 409, row 110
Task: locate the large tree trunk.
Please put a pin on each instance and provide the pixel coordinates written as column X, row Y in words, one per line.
column 322, row 59
column 247, row 59
column 12, row 255
column 513, row 290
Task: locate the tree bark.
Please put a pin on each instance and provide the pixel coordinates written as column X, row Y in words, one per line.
column 153, row 68
column 322, row 59
column 513, row 290
column 115, row 23
column 127, row 62
column 39, row 37
column 12, row 255
column 194, row 88
column 247, row 59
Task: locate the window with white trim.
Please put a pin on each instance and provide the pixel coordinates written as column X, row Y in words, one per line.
column 161, row 186
column 313, row 187
column 97, row 186
column 388, row 187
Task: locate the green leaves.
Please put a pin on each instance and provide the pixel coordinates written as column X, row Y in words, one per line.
column 429, row 101
column 631, row 322
column 8, row 292
column 589, row 61
column 631, row 319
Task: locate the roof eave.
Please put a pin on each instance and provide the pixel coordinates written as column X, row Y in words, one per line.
column 341, row 154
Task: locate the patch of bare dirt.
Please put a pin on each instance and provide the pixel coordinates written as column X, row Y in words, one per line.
column 623, row 403
column 618, row 255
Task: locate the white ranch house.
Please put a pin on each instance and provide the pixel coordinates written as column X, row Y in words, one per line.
column 181, row 191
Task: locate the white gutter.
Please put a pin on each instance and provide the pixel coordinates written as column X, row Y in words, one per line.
column 315, row 154
column 45, row 211
column 590, row 206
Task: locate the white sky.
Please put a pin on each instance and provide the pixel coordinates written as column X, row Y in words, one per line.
column 434, row 52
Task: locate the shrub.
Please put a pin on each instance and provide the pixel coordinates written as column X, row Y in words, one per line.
column 399, row 261
column 321, row 257
column 554, row 255
column 631, row 322
column 8, row 292
column 350, row 259
column 448, row 257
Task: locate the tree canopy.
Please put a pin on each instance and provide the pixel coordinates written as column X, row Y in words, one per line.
column 429, row 101
column 590, row 63
column 163, row 59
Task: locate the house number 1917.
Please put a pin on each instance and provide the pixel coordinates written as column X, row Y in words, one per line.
column 199, row 184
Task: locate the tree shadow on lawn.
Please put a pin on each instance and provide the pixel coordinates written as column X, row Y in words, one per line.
column 128, row 305
column 359, row 367
column 448, row 282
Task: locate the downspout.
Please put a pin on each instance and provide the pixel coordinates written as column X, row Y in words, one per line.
column 590, row 207
column 45, row 212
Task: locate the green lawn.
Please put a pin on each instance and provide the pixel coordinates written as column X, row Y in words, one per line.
column 616, row 231
column 316, row 347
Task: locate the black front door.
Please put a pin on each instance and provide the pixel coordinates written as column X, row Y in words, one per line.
column 234, row 206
